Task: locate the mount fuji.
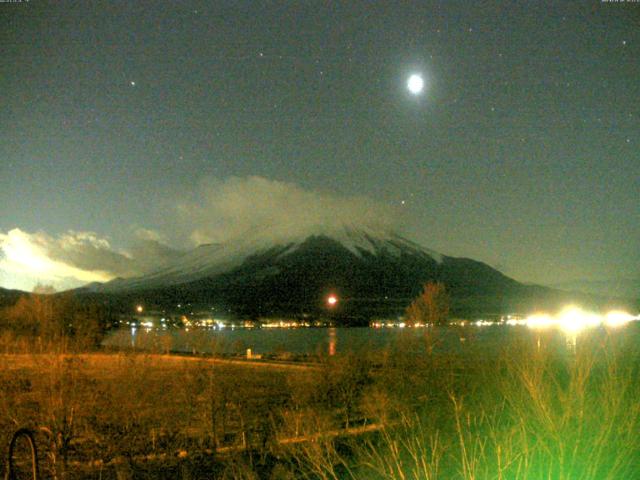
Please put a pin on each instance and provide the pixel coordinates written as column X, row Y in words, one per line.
column 374, row 273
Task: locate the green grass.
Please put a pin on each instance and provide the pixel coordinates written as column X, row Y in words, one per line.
column 526, row 413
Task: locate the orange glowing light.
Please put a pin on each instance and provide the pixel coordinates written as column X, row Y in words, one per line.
column 139, row 309
column 332, row 300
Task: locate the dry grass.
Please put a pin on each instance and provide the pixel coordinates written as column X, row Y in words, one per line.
column 525, row 412
column 101, row 408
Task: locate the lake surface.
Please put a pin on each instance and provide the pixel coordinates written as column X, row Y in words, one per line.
column 331, row 341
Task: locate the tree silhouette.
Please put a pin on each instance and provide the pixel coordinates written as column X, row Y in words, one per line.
column 432, row 306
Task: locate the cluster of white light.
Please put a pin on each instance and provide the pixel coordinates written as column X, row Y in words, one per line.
column 483, row 323
column 573, row 319
column 285, row 324
column 618, row 318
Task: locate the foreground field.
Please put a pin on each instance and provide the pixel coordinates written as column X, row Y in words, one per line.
column 524, row 412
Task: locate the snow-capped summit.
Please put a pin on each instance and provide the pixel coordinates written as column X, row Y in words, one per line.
column 214, row 259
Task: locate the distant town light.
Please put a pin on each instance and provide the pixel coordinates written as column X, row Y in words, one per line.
column 539, row 321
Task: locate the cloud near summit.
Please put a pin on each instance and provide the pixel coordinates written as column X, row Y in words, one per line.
column 215, row 211
column 222, row 210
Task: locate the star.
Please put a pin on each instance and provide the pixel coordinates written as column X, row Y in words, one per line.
column 132, row 83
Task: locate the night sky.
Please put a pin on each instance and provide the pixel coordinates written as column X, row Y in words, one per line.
column 522, row 151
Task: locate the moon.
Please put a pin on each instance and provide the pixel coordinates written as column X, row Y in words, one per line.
column 415, row 84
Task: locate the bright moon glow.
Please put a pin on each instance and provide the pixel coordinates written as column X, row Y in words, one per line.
column 415, row 84
column 332, row 300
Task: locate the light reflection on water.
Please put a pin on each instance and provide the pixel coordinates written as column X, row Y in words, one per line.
column 332, row 341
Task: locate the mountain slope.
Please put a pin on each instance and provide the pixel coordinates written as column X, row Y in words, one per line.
column 375, row 274
column 214, row 259
column 616, row 287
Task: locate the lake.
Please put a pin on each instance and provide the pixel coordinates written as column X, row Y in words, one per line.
column 331, row 341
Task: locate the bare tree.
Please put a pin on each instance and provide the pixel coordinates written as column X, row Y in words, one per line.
column 432, row 306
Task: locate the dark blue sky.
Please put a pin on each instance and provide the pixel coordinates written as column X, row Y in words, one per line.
column 523, row 151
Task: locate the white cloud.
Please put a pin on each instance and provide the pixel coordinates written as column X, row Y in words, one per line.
column 226, row 209
column 72, row 259
column 38, row 257
column 149, row 251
